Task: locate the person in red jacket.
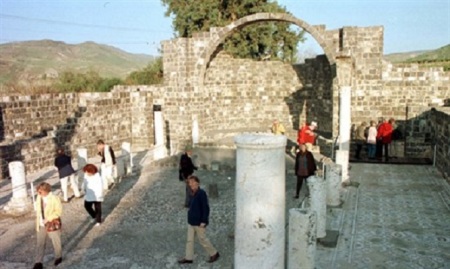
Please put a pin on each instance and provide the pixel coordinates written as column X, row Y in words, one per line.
column 384, row 135
column 307, row 136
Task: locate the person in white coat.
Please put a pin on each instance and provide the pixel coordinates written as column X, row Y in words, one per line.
column 108, row 163
column 93, row 189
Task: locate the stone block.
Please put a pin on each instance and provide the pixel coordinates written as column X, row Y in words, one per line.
column 330, row 240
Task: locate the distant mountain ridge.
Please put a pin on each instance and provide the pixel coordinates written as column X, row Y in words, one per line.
column 438, row 55
column 37, row 60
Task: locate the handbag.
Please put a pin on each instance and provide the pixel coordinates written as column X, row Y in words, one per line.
column 53, row 225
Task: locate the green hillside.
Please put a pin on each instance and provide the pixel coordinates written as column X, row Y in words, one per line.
column 439, row 55
column 433, row 58
column 36, row 60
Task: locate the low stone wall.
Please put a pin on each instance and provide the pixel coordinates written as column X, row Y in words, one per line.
column 33, row 127
column 441, row 125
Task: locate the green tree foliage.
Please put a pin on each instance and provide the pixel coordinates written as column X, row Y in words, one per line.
column 88, row 82
column 152, row 74
column 256, row 41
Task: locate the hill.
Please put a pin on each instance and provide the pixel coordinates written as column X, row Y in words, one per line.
column 35, row 60
column 439, row 55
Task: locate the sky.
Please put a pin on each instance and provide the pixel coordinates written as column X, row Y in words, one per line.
column 138, row 26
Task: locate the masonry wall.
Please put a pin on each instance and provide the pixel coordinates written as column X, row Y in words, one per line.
column 441, row 123
column 69, row 121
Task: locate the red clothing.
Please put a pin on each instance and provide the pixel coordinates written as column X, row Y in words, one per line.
column 306, row 135
column 385, row 133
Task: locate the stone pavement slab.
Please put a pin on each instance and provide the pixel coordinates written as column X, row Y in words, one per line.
column 396, row 218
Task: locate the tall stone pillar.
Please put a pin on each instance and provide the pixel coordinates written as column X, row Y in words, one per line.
column 342, row 155
column 19, row 202
column 195, row 131
column 82, row 160
column 318, row 194
column 333, row 183
column 160, row 151
column 128, row 160
column 260, row 201
column 302, row 238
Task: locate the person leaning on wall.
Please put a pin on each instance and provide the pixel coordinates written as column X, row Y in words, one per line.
column 307, row 135
column 66, row 174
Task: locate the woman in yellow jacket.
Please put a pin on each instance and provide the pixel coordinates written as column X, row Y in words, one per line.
column 48, row 208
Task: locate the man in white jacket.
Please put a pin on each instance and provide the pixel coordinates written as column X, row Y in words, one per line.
column 107, row 164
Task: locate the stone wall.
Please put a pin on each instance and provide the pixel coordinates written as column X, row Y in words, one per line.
column 229, row 95
column 441, row 124
column 35, row 126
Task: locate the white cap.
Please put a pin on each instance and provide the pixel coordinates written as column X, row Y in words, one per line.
column 313, row 123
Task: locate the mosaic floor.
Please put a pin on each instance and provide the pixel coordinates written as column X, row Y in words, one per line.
column 396, row 218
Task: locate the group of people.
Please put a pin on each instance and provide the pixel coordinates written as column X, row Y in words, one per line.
column 49, row 207
column 377, row 137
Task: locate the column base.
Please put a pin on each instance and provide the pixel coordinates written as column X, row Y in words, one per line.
column 18, row 206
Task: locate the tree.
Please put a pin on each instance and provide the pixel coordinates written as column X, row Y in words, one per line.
column 151, row 74
column 257, row 41
column 87, row 82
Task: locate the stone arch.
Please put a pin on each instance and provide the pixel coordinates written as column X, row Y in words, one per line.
column 220, row 34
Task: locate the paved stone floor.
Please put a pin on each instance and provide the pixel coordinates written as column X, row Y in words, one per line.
column 396, row 218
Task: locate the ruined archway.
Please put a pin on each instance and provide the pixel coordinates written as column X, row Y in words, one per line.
column 220, row 34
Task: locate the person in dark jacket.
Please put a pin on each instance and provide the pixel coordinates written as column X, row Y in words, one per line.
column 66, row 173
column 187, row 168
column 198, row 219
column 305, row 166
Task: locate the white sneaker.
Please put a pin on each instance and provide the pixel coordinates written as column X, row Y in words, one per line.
column 98, row 224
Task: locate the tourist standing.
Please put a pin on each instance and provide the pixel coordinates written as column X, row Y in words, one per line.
column 107, row 163
column 198, row 219
column 93, row 189
column 66, row 173
column 48, row 223
column 360, row 138
column 305, row 166
column 372, row 139
column 187, row 168
column 307, row 135
column 384, row 135
column 277, row 128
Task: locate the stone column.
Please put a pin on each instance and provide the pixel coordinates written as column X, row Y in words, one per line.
column 195, row 131
column 19, row 201
column 302, row 238
column 318, row 203
column 260, row 201
column 342, row 155
column 160, row 151
column 333, row 183
column 127, row 159
column 82, row 160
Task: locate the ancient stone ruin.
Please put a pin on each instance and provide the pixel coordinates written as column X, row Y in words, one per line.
column 226, row 96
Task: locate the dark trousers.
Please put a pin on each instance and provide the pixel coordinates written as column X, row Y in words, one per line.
column 300, row 180
column 379, row 149
column 94, row 209
column 359, row 146
column 386, row 151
